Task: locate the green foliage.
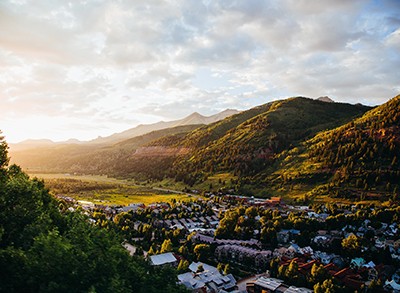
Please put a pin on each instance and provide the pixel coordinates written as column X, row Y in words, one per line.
column 356, row 161
column 325, row 287
column 183, row 265
column 249, row 147
column 166, row 246
column 202, row 251
column 118, row 192
column 318, row 274
column 43, row 250
column 352, row 244
column 227, row 269
column 3, row 156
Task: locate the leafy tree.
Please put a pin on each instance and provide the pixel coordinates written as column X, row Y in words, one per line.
column 3, row 157
column 352, row 244
column 274, row 265
column 318, row 274
column 202, row 251
column 183, row 265
column 200, row 268
column 325, row 287
column 220, row 267
column 151, row 251
column 292, row 270
column 183, row 250
column 227, row 269
column 166, row 246
column 44, row 250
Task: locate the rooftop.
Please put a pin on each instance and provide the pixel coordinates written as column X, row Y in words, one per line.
column 161, row 259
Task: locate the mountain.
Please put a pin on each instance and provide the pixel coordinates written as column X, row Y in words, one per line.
column 41, row 143
column 68, row 156
column 241, row 145
column 87, row 158
column 249, row 146
column 358, row 160
column 32, row 143
column 325, row 99
column 193, row 119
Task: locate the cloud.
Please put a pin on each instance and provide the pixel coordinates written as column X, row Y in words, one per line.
column 114, row 64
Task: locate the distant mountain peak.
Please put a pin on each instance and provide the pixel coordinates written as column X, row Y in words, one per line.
column 73, row 141
column 195, row 114
column 193, row 119
column 325, row 99
column 37, row 141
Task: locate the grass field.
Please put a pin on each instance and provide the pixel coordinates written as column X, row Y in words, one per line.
column 107, row 191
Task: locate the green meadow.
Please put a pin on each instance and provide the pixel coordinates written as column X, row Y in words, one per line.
column 107, row 191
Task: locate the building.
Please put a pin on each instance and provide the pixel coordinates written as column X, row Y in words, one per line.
column 163, row 259
column 272, row 285
column 205, row 278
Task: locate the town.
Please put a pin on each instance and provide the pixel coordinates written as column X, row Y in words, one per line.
column 231, row 243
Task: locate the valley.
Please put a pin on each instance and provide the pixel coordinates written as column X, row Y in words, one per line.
column 299, row 193
column 298, row 148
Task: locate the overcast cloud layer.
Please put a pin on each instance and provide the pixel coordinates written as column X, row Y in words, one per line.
column 88, row 68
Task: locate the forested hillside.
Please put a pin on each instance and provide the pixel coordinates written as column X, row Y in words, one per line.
column 46, row 248
column 358, row 160
column 249, row 147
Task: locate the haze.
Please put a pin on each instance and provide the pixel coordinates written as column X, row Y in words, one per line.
column 86, row 68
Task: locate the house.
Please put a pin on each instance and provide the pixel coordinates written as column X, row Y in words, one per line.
column 132, row 207
column 243, row 255
column 357, row 263
column 263, row 284
column 380, row 243
column 283, row 236
column 164, row 259
column 296, row 248
column 324, row 257
column 396, row 276
column 306, row 250
column 280, row 252
column 200, row 238
column 392, row 286
column 290, row 252
column 205, row 278
column 338, row 261
column 131, row 249
column 305, row 268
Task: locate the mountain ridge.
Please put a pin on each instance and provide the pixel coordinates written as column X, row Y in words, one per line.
column 194, row 118
column 141, row 129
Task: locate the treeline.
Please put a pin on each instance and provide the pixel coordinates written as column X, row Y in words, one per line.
column 69, row 185
column 44, row 248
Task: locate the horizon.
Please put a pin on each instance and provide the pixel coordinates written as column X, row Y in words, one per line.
column 99, row 136
column 87, row 69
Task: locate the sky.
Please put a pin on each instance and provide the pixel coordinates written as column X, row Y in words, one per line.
column 83, row 69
